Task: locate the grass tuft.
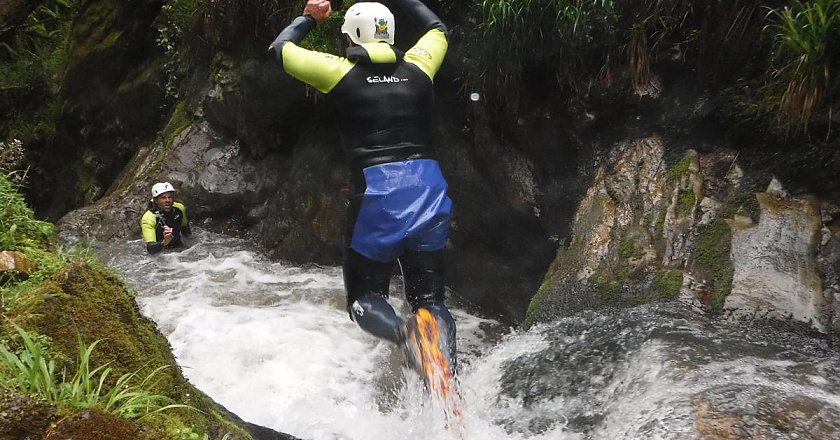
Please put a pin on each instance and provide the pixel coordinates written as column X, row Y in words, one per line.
column 804, row 34
column 30, row 370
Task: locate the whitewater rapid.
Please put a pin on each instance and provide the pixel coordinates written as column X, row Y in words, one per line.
column 272, row 342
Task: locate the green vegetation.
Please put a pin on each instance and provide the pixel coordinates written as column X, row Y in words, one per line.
column 32, row 64
column 627, row 248
column 20, row 231
column 681, row 168
column 608, row 290
column 554, row 37
column 686, row 202
column 563, row 45
column 71, row 297
column 805, row 35
column 712, row 256
column 667, row 284
column 32, row 371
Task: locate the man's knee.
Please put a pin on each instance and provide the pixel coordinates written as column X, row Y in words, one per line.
column 374, row 315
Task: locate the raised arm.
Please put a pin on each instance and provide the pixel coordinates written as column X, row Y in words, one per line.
column 320, row 70
column 314, row 13
column 421, row 14
column 430, row 49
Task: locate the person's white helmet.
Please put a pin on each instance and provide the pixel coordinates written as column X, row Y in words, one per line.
column 162, row 187
column 367, row 22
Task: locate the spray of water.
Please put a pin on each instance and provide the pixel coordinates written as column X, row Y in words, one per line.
column 273, row 343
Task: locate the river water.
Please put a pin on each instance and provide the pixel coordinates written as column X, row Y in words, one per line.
column 272, row 342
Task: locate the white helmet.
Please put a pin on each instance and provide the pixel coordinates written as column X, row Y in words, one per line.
column 160, row 188
column 367, row 22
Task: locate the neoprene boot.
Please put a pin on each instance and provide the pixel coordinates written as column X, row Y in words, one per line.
column 375, row 316
column 430, row 337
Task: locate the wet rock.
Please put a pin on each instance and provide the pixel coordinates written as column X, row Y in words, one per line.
column 775, row 274
column 93, row 425
column 828, row 263
column 613, row 258
column 15, row 266
column 209, row 175
column 23, row 417
column 721, row 413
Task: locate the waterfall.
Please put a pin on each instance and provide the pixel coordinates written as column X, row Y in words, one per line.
column 273, row 343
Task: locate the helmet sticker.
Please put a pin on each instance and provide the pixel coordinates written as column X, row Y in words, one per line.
column 381, row 28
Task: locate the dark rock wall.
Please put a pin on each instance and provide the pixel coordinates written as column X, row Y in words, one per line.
column 112, row 100
column 246, row 142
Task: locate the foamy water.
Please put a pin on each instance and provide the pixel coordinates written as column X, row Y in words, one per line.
column 273, row 343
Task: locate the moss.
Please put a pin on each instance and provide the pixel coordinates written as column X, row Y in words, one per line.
column 712, row 255
column 178, row 122
column 608, row 291
column 535, row 306
column 681, row 168
column 563, row 264
column 685, row 203
column 659, row 227
column 23, row 416
column 87, row 303
column 93, row 31
column 93, row 425
column 627, row 248
column 666, row 284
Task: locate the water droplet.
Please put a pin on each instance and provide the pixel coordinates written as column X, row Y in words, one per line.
column 475, row 97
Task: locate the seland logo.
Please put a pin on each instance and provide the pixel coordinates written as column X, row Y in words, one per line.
column 381, row 29
column 384, row 79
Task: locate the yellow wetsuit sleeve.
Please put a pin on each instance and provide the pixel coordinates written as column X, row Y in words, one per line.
column 147, row 225
column 183, row 209
column 429, row 52
column 318, row 69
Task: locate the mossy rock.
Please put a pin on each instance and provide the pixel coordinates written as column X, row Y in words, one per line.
column 86, row 302
column 23, row 416
column 711, row 260
column 666, row 284
column 93, row 425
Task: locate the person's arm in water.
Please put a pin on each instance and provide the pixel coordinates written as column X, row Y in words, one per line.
column 429, row 51
column 320, row 70
column 147, row 226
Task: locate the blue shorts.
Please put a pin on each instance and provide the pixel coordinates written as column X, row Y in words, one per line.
column 405, row 206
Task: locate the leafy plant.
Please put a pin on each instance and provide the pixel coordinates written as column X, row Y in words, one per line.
column 804, row 33
column 18, row 226
column 552, row 39
column 31, row 371
column 189, row 434
column 655, row 23
column 11, row 161
column 33, row 57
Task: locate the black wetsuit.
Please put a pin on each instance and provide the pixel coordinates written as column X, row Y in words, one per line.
column 399, row 208
column 155, row 218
